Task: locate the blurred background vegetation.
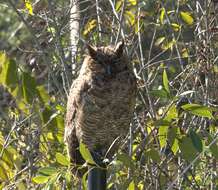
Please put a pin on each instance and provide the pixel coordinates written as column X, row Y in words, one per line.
column 173, row 139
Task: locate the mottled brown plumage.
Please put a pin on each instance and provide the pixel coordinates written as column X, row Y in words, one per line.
column 101, row 102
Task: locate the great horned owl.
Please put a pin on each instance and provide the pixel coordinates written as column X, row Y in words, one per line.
column 101, row 101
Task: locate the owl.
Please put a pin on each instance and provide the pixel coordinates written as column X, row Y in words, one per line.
column 100, row 103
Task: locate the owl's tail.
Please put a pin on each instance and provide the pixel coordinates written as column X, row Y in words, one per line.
column 76, row 158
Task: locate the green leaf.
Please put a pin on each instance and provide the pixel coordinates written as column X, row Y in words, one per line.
column 84, row 184
column 131, row 186
column 8, row 156
column 198, row 110
column 91, row 25
column 175, row 27
column 172, row 113
column 141, row 185
column 47, row 116
column 133, row 2
column 162, row 135
column 175, row 146
column 29, row 7
column 166, row 81
column 3, row 172
column 187, row 149
column 48, row 171
column 8, row 75
column 162, row 122
column 2, row 60
column 187, row 18
column 86, row 154
column 162, row 93
column 118, row 5
column 130, row 17
column 185, row 53
column 196, row 141
column 125, row 159
column 153, row 155
column 61, row 159
column 159, row 41
column 171, row 136
column 40, row 179
column 162, row 14
column 168, row 45
column 28, row 87
column 43, row 95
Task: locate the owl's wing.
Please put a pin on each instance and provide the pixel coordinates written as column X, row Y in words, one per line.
column 70, row 136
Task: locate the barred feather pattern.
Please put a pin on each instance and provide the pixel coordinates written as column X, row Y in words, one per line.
column 101, row 102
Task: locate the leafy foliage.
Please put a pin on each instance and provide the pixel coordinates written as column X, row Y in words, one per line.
column 173, row 49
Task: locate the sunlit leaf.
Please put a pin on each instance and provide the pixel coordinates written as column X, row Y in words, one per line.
column 187, row 18
column 21, row 185
column 28, row 6
column 168, row 45
column 47, row 171
column 159, row 41
column 166, row 81
column 175, row 146
column 162, row 14
column 171, row 136
column 8, row 75
column 215, row 68
column 84, row 184
column 118, row 5
column 130, row 17
column 175, row 27
column 8, row 156
column 170, row 12
column 131, row 186
column 185, row 53
column 40, row 179
column 133, row 2
column 198, row 110
column 162, row 135
column 43, row 95
column 52, row 30
column 172, row 113
column 86, row 154
column 3, row 171
column 141, row 185
column 89, row 27
column 2, row 60
column 61, row 159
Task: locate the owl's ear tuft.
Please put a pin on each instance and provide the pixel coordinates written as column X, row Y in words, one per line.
column 119, row 48
column 91, row 50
